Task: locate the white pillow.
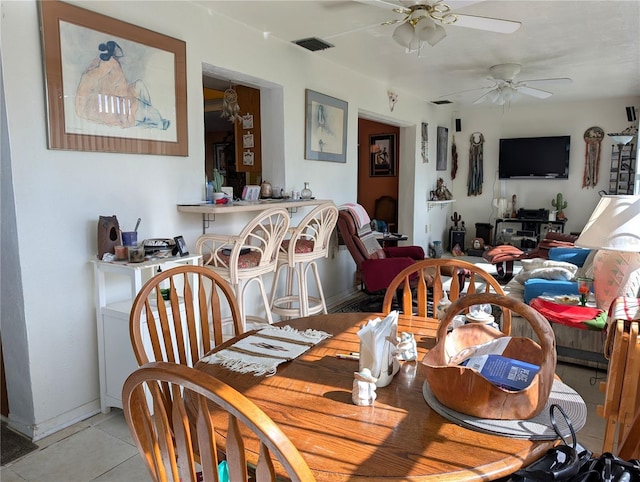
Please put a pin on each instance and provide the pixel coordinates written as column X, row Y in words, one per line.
column 537, row 263
column 552, row 273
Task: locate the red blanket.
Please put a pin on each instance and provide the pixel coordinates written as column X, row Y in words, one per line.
column 582, row 317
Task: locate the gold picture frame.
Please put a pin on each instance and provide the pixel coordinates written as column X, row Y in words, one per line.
column 128, row 95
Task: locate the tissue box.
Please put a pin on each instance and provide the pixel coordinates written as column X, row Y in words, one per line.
column 502, row 371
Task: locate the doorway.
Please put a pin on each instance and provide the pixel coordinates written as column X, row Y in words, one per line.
column 378, row 171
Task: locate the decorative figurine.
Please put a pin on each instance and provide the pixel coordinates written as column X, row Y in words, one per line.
column 559, row 204
column 364, row 388
column 456, row 219
column 407, row 348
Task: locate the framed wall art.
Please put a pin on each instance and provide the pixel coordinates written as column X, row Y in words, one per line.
column 112, row 86
column 326, row 128
column 424, row 144
column 220, row 156
column 441, row 148
column 382, row 151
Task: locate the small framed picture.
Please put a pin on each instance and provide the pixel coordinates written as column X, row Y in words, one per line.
column 251, row 193
column 247, row 140
column 247, row 121
column 181, row 246
column 247, row 158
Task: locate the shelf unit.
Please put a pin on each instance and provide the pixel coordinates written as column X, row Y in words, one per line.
column 116, row 360
column 621, row 178
column 442, row 204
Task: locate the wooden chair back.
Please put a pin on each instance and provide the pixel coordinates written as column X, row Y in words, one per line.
column 189, row 322
column 432, row 273
column 165, row 431
column 621, row 407
column 386, row 209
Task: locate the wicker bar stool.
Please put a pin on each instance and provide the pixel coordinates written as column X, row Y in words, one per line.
column 242, row 259
column 308, row 242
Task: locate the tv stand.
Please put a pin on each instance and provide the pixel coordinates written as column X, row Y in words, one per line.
column 527, row 225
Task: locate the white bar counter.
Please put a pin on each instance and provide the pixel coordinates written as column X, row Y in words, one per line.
column 209, row 210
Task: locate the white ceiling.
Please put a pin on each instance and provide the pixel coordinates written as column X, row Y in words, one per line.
column 595, row 43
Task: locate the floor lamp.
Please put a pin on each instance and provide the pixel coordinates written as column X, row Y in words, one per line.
column 614, row 230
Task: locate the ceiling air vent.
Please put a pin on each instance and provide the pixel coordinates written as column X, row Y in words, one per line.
column 441, row 102
column 313, row 44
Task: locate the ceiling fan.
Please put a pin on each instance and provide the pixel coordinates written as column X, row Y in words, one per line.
column 505, row 86
column 424, row 19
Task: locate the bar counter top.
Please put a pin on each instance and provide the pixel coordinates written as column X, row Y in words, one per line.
column 242, row 206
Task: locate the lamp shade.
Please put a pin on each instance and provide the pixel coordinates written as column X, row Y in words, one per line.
column 614, row 224
column 620, row 138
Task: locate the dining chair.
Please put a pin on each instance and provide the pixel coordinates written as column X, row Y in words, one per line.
column 244, row 258
column 179, row 315
column 167, row 424
column 385, row 209
column 433, row 273
column 308, row 242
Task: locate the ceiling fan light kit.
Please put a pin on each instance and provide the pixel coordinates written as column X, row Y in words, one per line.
column 419, row 26
column 423, row 23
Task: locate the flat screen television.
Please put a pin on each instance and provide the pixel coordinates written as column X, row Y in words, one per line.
column 534, row 158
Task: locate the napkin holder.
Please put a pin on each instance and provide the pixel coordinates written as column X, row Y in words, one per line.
column 464, row 390
column 378, row 340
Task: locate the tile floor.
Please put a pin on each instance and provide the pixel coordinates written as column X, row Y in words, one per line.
column 100, row 449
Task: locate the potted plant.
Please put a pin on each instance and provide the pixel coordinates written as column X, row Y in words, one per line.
column 216, row 184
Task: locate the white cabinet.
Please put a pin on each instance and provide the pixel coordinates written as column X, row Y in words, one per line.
column 116, row 360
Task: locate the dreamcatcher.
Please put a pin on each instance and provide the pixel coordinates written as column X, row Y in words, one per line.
column 454, row 158
column 474, row 185
column 593, row 137
column 230, row 107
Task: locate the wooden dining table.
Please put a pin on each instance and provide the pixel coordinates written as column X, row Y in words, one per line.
column 398, row 438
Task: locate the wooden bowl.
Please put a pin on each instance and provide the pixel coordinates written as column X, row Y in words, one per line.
column 465, row 390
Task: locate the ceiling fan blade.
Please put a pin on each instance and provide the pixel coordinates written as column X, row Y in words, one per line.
column 558, row 80
column 486, row 23
column 385, row 4
column 540, row 94
column 491, row 96
column 464, row 92
column 359, row 29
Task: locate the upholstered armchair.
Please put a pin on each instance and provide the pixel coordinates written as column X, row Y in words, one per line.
column 377, row 265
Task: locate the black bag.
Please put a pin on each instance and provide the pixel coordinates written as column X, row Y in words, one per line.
column 571, row 463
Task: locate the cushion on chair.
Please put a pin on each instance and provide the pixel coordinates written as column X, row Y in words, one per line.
column 302, row 246
column 249, row 260
column 535, row 287
column 551, row 240
column 378, row 273
column 575, row 256
column 504, row 252
column 414, row 252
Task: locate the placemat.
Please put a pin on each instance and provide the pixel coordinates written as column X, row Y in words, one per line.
column 536, row 428
column 260, row 353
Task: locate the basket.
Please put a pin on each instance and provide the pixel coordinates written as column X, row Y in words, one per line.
column 466, row 391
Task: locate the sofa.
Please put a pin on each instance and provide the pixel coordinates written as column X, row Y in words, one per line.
column 555, row 275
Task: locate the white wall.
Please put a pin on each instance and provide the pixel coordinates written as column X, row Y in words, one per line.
column 540, row 119
column 49, row 224
column 53, row 377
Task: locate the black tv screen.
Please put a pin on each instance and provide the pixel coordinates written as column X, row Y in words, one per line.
column 534, row 158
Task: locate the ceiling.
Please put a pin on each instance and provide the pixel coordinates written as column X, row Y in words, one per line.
column 595, row 43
